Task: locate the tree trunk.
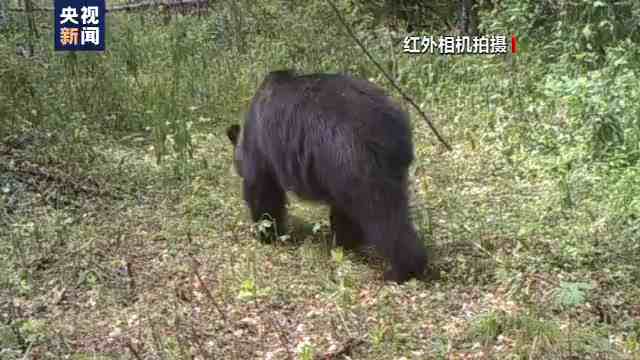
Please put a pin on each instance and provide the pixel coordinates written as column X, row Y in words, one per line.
column 3, row 15
column 33, row 28
column 467, row 19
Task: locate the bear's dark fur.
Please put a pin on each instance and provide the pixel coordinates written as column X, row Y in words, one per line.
column 339, row 140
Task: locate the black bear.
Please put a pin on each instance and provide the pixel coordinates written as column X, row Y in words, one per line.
column 339, row 140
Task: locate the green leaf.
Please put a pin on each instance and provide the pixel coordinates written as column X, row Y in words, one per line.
column 571, row 294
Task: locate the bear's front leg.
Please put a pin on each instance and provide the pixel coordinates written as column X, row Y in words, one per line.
column 267, row 200
column 348, row 233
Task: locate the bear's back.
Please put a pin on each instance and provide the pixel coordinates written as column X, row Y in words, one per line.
column 309, row 126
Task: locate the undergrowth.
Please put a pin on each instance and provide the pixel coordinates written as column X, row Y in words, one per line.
column 124, row 234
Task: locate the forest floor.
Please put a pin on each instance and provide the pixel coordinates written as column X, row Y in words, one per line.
column 109, row 255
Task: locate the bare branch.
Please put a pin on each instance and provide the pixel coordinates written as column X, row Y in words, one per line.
column 386, row 75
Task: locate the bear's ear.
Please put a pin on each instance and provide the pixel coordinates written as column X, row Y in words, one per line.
column 233, row 132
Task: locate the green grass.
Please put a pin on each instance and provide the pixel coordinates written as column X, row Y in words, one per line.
column 123, row 233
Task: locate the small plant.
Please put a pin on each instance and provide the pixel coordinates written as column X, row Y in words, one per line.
column 488, row 327
column 307, row 351
column 248, row 290
column 571, row 294
column 378, row 335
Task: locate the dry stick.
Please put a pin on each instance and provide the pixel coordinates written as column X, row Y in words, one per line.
column 56, row 176
column 281, row 334
column 393, row 83
column 216, row 305
column 133, row 350
column 207, row 291
column 346, row 349
column 177, row 323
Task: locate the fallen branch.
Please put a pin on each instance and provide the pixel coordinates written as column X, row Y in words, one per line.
column 133, row 350
column 208, row 293
column 37, row 176
column 346, row 350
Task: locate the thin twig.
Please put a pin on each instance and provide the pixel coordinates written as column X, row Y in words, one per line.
column 133, row 350
column 282, row 336
column 207, row 291
column 387, row 76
